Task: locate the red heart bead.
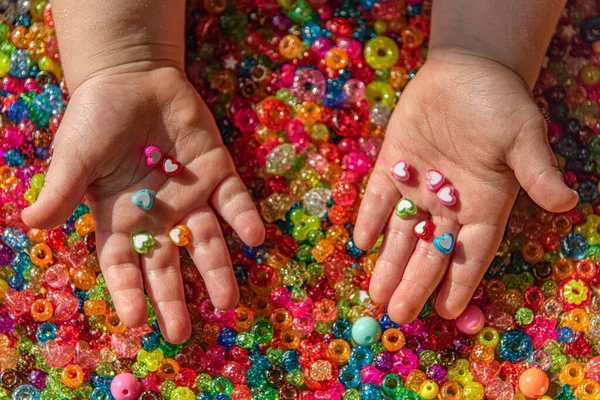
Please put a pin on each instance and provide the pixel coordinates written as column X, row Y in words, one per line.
column 424, row 229
column 171, row 166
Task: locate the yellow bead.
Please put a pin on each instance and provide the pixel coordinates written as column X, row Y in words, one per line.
column 4, row 64
column 429, row 390
column 48, row 65
column 590, row 75
column 381, row 52
column 3, row 288
column 473, row 391
column 379, row 92
column 380, row 27
column 183, row 393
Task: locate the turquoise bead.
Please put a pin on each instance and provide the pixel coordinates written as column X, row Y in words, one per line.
column 366, row 331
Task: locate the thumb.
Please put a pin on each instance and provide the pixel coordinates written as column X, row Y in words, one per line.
column 65, row 185
column 535, row 165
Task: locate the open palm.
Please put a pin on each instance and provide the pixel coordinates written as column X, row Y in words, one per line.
column 474, row 121
column 98, row 151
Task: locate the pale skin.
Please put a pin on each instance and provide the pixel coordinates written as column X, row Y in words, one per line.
column 468, row 113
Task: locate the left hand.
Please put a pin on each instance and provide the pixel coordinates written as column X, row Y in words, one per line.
column 473, row 120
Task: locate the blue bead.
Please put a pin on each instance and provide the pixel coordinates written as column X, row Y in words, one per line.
column 16, row 282
column 21, row 262
column 204, row 396
column 515, row 346
column 18, row 111
column 386, row 322
column 370, row 391
column 574, row 245
column 28, row 392
column 251, row 252
column 151, row 341
column 352, row 250
column 349, row 377
column 14, row 158
column 342, row 328
column 226, row 337
column 15, row 238
column 101, row 393
column 566, row 335
column 42, row 153
column 222, row 397
column 360, row 356
column 414, row 9
column 19, row 63
column 45, row 332
column 259, row 360
column 289, row 360
column 23, row 20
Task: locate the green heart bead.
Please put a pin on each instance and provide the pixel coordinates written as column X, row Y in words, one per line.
column 142, row 242
column 405, row 207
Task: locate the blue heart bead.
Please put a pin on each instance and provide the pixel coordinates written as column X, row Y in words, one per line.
column 444, row 243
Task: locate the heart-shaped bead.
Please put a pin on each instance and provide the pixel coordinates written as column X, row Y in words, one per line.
column 400, row 171
column 180, row 235
column 143, row 199
column 154, row 156
column 444, row 243
column 18, row 302
column 142, row 242
column 171, row 166
column 58, row 355
column 447, row 195
column 85, row 356
column 424, row 229
column 405, row 207
column 434, row 180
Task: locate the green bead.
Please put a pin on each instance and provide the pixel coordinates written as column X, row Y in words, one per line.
column 204, row 382
column 366, row 331
column 222, row 385
column 274, row 355
column 427, row 358
column 139, row 370
column 295, row 378
column 262, row 331
column 167, row 387
column 524, row 316
column 351, row 394
column 392, row 383
column 182, row 393
column 245, row 340
column 4, row 31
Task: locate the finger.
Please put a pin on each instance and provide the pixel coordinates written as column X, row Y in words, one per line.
column 165, row 289
column 423, row 273
column 66, row 181
column 120, row 267
column 536, row 168
column 375, row 209
column 398, row 245
column 232, row 201
column 476, row 247
column 211, row 256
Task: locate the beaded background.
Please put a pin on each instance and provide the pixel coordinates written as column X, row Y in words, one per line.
column 290, row 336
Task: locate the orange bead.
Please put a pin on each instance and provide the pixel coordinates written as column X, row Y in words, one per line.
column 393, row 339
column 572, row 374
column 83, row 278
column 41, row 254
column 337, row 59
column 72, row 376
column 180, row 235
column 94, row 307
column 533, row 383
column 281, row 319
column 289, row 339
column 533, row 252
column 339, row 350
column 84, row 224
column 412, row 37
column 19, row 37
column 41, row 310
column 563, row 269
column 309, row 113
column 290, row 47
column 168, row 369
column 244, row 319
column 588, row 389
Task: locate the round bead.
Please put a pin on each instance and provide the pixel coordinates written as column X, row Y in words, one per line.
column 533, row 383
column 366, row 331
column 125, row 387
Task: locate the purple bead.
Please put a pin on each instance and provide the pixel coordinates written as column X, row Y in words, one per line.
column 6, row 323
column 384, row 361
column 437, row 373
column 37, row 378
column 414, row 328
column 414, row 343
column 6, row 254
column 462, row 344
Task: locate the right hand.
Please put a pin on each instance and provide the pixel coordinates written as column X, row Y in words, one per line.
column 98, row 152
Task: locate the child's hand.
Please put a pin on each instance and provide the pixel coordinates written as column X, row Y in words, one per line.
column 98, row 151
column 473, row 120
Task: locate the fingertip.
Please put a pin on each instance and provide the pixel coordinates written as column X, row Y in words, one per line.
column 378, row 292
column 41, row 217
column 253, row 231
column 133, row 311
column 402, row 312
column 553, row 195
column 363, row 240
column 226, row 301
column 448, row 310
column 177, row 330
column 222, row 287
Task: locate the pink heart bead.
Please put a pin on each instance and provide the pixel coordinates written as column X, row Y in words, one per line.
column 447, row 195
column 154, row 156
column 401, row 171
column 434, row 180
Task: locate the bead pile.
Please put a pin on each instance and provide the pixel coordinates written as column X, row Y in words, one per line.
column 301, row 92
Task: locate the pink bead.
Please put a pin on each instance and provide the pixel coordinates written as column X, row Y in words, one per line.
column 400, row 171
column 447, row 195
column 154, row 156
column 125, row 387
column 434, row 180
column 470, row 321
